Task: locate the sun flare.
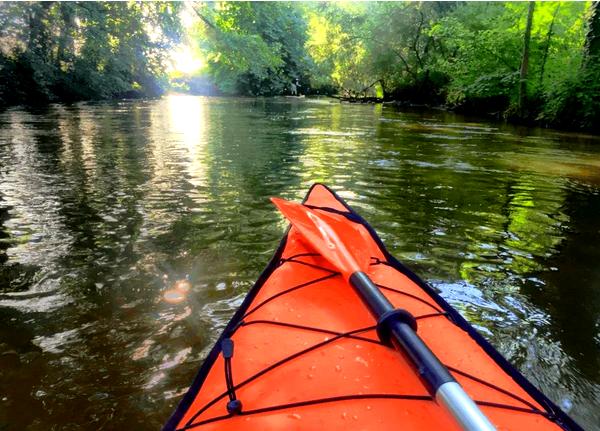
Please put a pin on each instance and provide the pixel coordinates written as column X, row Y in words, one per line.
column 184, row 60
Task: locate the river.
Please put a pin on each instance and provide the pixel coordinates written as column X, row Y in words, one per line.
column 103, row 206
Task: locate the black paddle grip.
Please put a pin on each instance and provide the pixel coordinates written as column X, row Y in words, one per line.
column 399, row 327
column 387, row 319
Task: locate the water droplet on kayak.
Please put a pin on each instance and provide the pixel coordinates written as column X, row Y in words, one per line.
column 294, row 416
column 368, row 407
column 358, row 346
column 310, row 376
column 355, row 417
column 338, row 368
column 361, row 361
column 344, row 415
column 313, row 367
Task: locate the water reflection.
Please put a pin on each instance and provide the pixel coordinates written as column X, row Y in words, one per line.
column 130, row 232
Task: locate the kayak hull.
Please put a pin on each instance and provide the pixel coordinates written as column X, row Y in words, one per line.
column 306, row 353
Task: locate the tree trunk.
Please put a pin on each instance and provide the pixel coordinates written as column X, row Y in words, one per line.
column 65, row 38
column 38, row 30
column 525, row 61
column 591, row 50
column 547, row 46
column 382, row 83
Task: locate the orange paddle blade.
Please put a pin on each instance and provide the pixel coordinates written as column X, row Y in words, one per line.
column 321, row 231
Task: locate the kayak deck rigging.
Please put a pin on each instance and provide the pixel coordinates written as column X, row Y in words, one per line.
column 193, row 423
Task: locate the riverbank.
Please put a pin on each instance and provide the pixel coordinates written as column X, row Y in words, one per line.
column 497, row 115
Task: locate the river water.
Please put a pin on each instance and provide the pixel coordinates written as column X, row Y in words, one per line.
column 103, row 206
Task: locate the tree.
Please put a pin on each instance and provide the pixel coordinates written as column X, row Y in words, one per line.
column 73, row 51
column 592, row 38
column 547, row 44
column 383, row 46
column 253, row 48
column 525, row 60
column 575, row 101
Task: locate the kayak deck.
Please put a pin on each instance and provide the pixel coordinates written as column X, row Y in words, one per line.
column 306, row 354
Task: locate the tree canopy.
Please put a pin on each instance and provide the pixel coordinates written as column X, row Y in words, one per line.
column 252, row 48
column 83, row 50
column 525, row 61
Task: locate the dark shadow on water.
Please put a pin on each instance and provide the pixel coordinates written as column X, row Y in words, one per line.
column 571, row 291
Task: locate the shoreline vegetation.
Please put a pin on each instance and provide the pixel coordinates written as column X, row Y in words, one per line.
column 534, row 63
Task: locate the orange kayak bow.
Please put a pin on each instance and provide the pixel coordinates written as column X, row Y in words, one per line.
column 304, row 352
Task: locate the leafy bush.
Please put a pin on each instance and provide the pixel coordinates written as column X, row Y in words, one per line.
column 575, row 103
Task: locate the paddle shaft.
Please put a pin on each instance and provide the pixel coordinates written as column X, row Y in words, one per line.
column 433, row 373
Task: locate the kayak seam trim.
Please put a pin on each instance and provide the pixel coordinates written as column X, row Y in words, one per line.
column 312, row 265
column 311, row 328
column 391, row 289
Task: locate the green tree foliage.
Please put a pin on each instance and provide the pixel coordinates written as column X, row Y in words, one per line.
column 337, row 47
column 83, row 50
column 371, row 48
column 486, row 46
column 519, row 60
column 575, row 101
column 253, row 48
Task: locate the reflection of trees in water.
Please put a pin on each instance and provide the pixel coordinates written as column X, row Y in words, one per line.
column 91, row 150
column 94, row 164
column 3, row 234
column 242, row 155
column 14, row 277
column 496, row 232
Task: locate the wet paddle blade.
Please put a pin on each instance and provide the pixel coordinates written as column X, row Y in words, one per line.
column 320, row 230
